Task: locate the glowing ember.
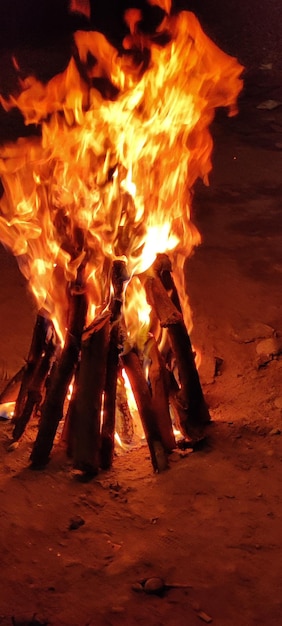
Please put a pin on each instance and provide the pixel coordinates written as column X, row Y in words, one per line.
column 124, row 136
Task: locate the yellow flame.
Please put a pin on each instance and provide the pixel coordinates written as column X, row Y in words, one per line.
column 120, row 150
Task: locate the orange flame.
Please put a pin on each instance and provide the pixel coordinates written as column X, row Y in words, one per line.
column 120, row 150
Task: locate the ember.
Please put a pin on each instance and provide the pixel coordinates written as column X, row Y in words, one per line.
column 97, row 211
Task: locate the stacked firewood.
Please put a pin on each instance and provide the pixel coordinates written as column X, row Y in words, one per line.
column 167, row 392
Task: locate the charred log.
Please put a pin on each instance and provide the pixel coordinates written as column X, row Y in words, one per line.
column 88, row 403
column 158, row 378
column 36, row 387
column 119, row 276
column 189, row 401
column 147, row 413
column 38, row 342
column 52, row 411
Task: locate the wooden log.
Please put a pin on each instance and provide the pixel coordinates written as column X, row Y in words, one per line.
column 124, row 419
column 189, row 401
column 160, row 394
column 35, row 388
column 70, row 418
column 91, row 382
column 37, row 345
column 109, row 408
column 52, row 410
column 158, row 298
column 143, row 399
column 119, row 276
column 163, row 268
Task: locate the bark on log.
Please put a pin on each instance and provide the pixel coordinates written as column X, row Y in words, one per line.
column 124, row 419
column 109, row 409
column 88, row 404
column 35, row 389
column 119, row 276
column 189, row 401
column 38, row 342
column 163, row 268
column 160, row 395
column 68, row 428
column 52, row 411
column 143, row 399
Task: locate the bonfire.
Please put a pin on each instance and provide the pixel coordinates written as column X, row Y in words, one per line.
column 97, row 209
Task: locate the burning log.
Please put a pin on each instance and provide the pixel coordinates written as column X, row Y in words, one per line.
column 147, row 413
column 158, row 377
column 78, row 195
column 119, row 276
column 88, row 402
column 52, row 411
column 37, row 346
column 36, row 387
column 189, row 401
column 124, row 419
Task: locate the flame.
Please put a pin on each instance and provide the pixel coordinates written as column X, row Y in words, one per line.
column 7, row 410
column 121, row 145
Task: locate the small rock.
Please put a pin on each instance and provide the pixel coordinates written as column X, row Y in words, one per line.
column 117, row 610
column 253, row 332
column 270, row 347
column 275, row 431
column 76, row 522
column 278, row 402
column 266, row 66
column 269, row 105
column 154, row 585
column 204, row 617
column 137, row 587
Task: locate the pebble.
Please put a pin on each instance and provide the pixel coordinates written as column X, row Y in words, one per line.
column 275, row 431
column 76, row 522
column 117, row 610
column 278, row 402
column 204, row 617
column 137, row 587
column 154, row 585
column 269, row 347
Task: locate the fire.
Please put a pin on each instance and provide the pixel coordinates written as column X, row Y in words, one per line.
column 123, row 137
column 111, row 175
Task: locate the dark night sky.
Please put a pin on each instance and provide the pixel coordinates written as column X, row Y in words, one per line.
column 32, row 22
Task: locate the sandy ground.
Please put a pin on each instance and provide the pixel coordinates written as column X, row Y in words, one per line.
column 211, row 525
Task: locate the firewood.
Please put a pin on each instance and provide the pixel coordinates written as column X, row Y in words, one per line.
column 38, row 340
column 119, row 276
column 109, row 408
column 160, row 301
column 124, row 419
column 71, row 416
column 143, row 399
column 163, row 268
column 160, row 394
column 189, row 400
column 52, row 410
column 88, row 404
column 35, row 388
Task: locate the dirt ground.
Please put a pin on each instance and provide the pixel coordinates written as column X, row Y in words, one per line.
column 72, row 553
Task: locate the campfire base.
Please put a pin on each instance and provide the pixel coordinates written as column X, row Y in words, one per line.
column 92, row 360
